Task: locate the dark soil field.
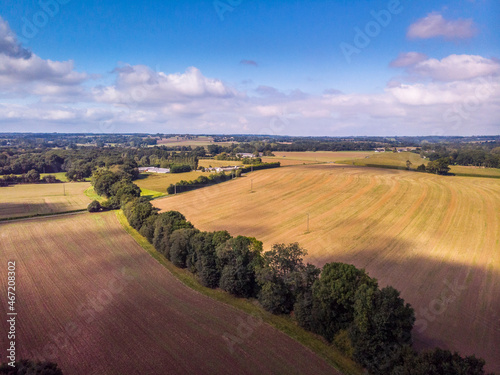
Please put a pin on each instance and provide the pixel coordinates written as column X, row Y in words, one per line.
column 92, row 300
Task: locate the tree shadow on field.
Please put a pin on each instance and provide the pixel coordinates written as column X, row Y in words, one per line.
column 12, row 210
column 455, row 304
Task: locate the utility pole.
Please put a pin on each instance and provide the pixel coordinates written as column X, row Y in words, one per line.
column 175, row 189
column 307, row 222
column 251, row 185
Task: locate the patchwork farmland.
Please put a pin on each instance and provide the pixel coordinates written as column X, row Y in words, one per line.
column 105, row 299
column 435, row 238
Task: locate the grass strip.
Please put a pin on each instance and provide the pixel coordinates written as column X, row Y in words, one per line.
column 283, row 323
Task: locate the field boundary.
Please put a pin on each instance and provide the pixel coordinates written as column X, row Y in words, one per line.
column 38, row 216
column 281, row 323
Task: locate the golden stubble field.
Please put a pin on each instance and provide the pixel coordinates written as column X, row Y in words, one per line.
column 92, row 300
column 31, row 199
column 310, row 157
column 434, row 238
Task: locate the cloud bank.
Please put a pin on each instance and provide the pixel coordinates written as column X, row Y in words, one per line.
column 458, row 94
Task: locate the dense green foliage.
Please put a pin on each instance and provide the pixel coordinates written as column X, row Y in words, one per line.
column 94, row 206
column 438, row 166
column 475, row 154
column 256, row 167
column 117, row 187
column 32, row 177
column 436, row 362
column 80, row 162
column 180, row 168
column 202, row 181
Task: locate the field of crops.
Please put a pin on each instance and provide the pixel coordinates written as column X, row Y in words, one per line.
column 310, row 157
column 159, row 182
column 193, row 142
column 217, row 163
column 91, row 299
column 397, row 160
column 33, row 199
column 435, row 238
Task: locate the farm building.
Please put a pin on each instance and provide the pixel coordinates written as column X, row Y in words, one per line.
column 245, row 155
column 153, row 170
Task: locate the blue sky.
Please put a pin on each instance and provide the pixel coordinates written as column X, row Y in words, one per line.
column 423, row 67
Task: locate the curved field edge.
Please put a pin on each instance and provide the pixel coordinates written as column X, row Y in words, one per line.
column 121, row 304
column 284, row 324
column 415, row 231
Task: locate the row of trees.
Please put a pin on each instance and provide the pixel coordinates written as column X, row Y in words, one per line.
column 32, row 177
column 256, row 167
column 118, row 188
column 339, row 302
column 215, row 178
column 480, row 155
column 200, row 182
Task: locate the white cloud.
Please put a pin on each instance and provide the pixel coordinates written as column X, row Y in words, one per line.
column 22, row 72
column 141, row 85
column 407, row 59
column 457, row 67
column 434, row 25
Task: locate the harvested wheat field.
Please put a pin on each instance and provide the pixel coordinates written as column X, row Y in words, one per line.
column 435, row 238
column 311, row 157
column 91, row 299
column 39, row 199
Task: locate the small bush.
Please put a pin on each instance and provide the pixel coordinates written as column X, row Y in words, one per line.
column 94, row 206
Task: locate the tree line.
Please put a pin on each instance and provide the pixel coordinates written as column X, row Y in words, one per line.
column 340, row 302
column 215, row 178
column 31, row 177
column 81, row 162
column 470, row 154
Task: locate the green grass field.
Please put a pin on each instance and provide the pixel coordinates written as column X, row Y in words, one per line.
column 42, row 199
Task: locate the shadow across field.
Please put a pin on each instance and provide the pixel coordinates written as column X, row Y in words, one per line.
column 456, row 305
column 15, row 210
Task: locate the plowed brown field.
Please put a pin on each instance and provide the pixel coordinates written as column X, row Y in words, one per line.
column 435, row 238
column 91, row 299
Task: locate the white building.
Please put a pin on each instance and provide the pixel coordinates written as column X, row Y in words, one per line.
column 153, row 170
